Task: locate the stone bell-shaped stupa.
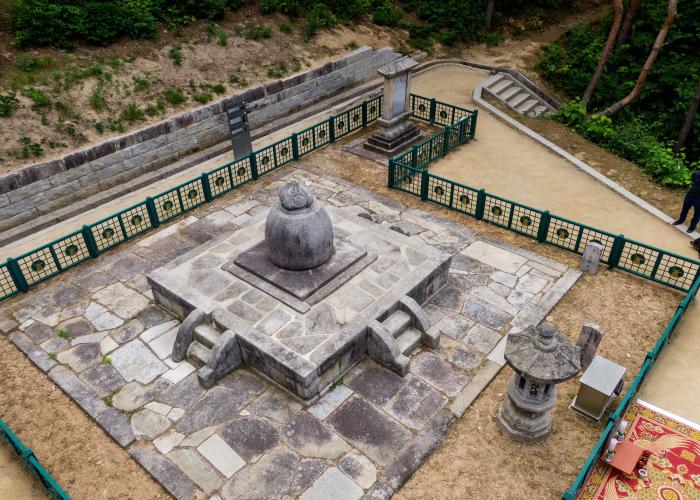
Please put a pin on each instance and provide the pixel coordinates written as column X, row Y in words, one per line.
column 541, row 358
column 298, row 232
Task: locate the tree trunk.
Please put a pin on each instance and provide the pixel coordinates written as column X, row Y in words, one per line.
column 489, row 15
column 671, row 13
column 688, row 123
column 627, row 23
column 617, row 5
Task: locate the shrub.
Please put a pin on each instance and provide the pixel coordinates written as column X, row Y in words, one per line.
column 175, row 54
column 174, row 96
column 286, row 27
column 97, row 99
column 8, row 103
column 38, row 97
column 633, row 140
column 132, row 113
column 493, row 39
column 202, row 97
column 151, row 110
column 100, row 127
column 235, row 79
column 141, row 84
column 386, row 14
column 255, row 31
column 27, row 64
column 318, row 18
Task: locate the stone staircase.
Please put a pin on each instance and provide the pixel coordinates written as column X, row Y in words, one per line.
column 205, row 338
column 214, row 353
column 516, row 96
column 391, row 342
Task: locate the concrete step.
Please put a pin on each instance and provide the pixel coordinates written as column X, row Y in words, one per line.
column 397, row 323
column 538, row 110
column 501, row 86
column 409, row 341
column 198, row 354
column 206, row 335
column 509, row 92
column 494, row 79
column 518, row 99
column 527, row 106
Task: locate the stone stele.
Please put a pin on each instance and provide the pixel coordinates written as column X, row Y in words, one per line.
column 541, row 357
column 396, row 130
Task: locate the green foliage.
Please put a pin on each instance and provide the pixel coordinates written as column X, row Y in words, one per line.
column 99, row 127
column 174, row 96
column 132, row 113
column 569, row 63
column 106, row 360
column 285, row 27
column 493, row 39
column 277, row 71
column 318, row 18
column 202, row 97
column 63, row 334
column 141, row 84
column 385, row 13
column 8, row 103
column 107, row 400
column 631, row 139
column 255, row 31
column 39, row 98
column 97, row 98
column 175, row 54
column 215, row 31
column 237, row 80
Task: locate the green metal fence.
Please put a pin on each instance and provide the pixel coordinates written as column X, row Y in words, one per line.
column 655, row 264
column 27, row 456
column 19, row 274
column 408, row 172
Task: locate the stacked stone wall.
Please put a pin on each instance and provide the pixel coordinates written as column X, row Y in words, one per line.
column 40, row 189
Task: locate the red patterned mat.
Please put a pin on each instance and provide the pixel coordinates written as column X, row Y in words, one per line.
column 673, row 468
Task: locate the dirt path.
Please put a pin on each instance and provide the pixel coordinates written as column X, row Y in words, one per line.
column 508, row 163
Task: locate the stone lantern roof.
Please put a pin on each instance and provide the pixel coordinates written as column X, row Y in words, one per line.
column 542, row 354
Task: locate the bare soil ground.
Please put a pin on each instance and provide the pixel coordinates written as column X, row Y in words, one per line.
column 70, row 79
column 16, row 482
column 67, row 442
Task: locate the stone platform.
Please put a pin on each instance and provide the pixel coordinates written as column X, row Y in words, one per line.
column 246, row 438
column 302, row 329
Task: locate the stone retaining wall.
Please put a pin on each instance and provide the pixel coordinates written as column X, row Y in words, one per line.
column 40, row 189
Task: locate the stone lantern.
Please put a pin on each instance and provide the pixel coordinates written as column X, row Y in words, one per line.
column 396, row 130
column 541, row 358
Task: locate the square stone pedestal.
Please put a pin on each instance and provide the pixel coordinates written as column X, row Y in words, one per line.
column 393, row 135
column 303, row 332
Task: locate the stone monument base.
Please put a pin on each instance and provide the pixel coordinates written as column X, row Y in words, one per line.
column 524, row 421
column 393, row 135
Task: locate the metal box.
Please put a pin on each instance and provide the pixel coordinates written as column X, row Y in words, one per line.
column 599, row 385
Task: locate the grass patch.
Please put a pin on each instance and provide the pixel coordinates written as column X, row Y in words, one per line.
column 277, row 71
column 255, row 31
column 106, row 360
column 202, row 97
column 132, row 113
column 286, row 27
column 63, row 334
column 141, row 84
column 237, row 80
column 39, row 98
column 174, row 96
column 175, row 55
column 97, row 98
column 8, row 104
column 107, row 400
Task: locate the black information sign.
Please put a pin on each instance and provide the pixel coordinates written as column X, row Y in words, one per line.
column 239, row 130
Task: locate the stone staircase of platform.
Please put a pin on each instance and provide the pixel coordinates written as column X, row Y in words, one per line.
column 214, row 353
column 516, row 96
column 391, row 342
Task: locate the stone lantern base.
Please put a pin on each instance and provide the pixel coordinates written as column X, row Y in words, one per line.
column 524, row 420
column 393, row 135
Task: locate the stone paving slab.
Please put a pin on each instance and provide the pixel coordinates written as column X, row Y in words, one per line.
column 245, row 437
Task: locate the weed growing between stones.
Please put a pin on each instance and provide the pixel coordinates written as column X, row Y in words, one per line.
column 63, row 334
column 106, row 360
